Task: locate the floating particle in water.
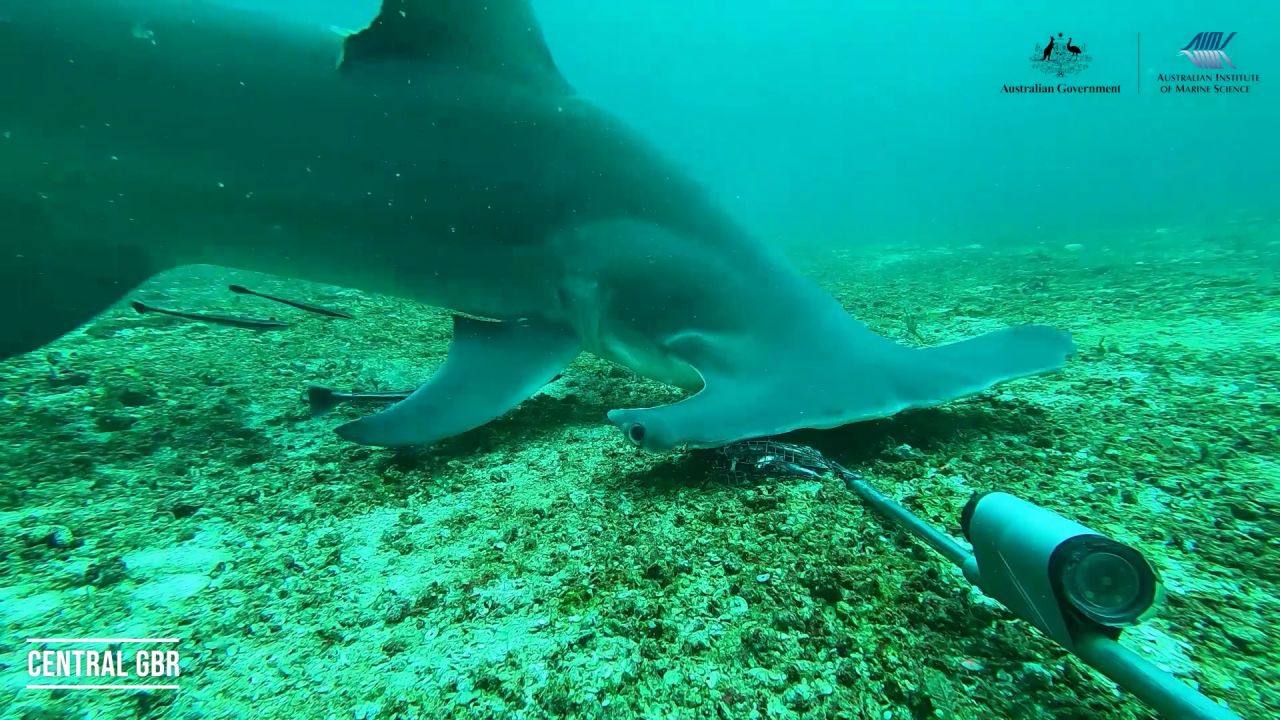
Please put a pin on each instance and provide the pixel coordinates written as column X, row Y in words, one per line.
column 141, row 32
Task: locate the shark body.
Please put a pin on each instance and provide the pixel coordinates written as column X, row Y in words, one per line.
column 437, row 155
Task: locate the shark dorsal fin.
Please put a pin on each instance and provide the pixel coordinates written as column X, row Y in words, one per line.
column 501, row 37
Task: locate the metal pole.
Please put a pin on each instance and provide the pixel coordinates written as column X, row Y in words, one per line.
column 940, row 542
column 1153, row 686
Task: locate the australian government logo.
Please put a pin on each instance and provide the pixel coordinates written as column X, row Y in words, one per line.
column 1207, row 51
column 1061, row 59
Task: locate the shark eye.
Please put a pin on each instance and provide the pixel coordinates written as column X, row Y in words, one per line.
column 635, row 434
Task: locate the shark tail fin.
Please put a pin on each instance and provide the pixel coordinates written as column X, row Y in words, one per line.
column 947, row 372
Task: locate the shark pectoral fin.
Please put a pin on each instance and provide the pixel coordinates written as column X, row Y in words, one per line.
column 491, row 368
column 51, row 285
column 778, row 388
column 497, row 37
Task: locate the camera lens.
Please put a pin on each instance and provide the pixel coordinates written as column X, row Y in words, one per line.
column 1107, row 582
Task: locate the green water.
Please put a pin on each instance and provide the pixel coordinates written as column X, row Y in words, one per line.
column 163, row 478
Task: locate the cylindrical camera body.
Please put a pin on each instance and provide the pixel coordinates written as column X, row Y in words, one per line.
column 1054, row 572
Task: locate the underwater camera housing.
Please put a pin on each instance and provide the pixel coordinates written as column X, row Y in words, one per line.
column 1075, row 585
column 1058, row 574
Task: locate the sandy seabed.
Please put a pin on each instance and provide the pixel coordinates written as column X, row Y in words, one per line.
column 161, row 478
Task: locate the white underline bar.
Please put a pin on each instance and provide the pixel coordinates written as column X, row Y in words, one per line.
column 102, row 687
column 103, row 640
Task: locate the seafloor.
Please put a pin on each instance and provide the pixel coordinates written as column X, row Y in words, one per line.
column 163, row 478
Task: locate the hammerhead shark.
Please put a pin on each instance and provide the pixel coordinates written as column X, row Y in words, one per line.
column 437, row 155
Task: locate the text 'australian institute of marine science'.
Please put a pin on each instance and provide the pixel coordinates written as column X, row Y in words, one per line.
column 1207, row 83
